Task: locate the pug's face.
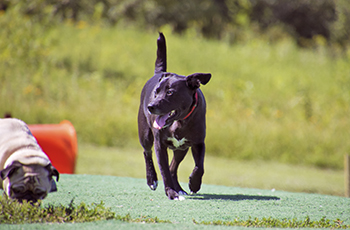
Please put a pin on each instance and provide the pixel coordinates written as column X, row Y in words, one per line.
column 29, row 182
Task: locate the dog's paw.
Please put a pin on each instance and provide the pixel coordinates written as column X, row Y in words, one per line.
column 180, row 198
column 153, row 185
column 194, row 186
column 171, row 194
column 182, row 193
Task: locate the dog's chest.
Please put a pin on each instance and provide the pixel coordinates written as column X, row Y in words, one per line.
column 175, row 143
column 176, row 139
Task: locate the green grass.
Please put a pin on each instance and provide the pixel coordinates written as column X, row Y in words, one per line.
column 275, row 223
column 268, row 102
column 127, row 203
column 13, row 212
column 129, row 162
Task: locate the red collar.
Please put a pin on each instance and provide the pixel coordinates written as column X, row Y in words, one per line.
column 193, row 107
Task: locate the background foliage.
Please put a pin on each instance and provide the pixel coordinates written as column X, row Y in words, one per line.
column 220, row 19
column 269, row 99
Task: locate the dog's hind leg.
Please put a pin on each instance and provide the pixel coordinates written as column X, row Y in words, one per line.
column 195, row 179
column 174, row 165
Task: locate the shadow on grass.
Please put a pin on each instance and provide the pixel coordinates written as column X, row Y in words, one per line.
column 237, row 197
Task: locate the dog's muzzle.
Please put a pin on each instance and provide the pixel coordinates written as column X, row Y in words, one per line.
column 161, row 120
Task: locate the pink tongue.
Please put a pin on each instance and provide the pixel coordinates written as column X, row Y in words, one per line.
column 159, row 122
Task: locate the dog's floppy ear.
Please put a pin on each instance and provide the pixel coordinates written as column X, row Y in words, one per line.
column 194, row 80
column 7, row 172
column 53, row 186
column 53, row 171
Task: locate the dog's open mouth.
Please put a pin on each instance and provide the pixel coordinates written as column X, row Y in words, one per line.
column 161, row 120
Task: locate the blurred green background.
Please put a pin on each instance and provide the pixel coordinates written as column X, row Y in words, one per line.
column 280, row 87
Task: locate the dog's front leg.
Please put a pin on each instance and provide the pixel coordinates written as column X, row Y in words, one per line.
column 163, row 162
column 151, row 174
column 195, row 182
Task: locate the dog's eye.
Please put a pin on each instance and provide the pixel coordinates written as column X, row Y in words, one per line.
column 169, row 92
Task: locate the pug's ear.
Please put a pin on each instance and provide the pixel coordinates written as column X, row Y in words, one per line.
column 53, row 186
column 52, row 171
column 7, row 172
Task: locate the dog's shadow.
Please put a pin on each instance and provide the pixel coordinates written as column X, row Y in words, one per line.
column 236, row 197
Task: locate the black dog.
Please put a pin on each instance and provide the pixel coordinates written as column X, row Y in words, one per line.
column 172, row 115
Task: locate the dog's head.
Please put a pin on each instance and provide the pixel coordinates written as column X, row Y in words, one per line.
column 174, row 97
column 29, row 182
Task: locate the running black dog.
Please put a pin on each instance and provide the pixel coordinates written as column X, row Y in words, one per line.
column 172, row 115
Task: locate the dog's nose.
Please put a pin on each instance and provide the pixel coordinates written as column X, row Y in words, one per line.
column 151, row 108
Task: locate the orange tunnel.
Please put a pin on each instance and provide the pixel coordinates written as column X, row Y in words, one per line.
column 59, row 142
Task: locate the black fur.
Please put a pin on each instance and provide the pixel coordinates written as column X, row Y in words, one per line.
column 172, row 107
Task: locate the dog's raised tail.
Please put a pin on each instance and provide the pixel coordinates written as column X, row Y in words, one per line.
column 161, row 54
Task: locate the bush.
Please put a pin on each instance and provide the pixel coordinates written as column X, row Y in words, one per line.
column 305, row 21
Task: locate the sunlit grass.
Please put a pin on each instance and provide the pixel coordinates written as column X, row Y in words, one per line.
column 129, row 162
column 14, row 213
column 275, row 223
